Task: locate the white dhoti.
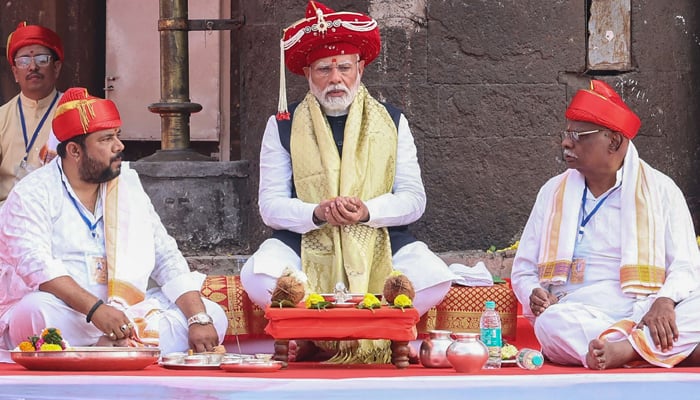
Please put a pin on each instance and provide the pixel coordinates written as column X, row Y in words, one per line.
column 38, row 310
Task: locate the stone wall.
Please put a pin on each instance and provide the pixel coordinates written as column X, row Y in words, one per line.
column 484, row 85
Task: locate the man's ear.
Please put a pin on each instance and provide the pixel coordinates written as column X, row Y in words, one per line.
column 73, row 149
column 616, row 140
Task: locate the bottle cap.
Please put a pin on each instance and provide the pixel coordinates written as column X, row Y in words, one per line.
column 491, row 304
column 537, row 360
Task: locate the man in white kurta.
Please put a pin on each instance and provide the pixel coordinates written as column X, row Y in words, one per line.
column 25, row 120
column 48, row 234
column 589, row 303
column 339, row 123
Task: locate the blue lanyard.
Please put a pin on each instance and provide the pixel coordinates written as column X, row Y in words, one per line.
column 27, row 143
column 90, row 225
column 585, row 218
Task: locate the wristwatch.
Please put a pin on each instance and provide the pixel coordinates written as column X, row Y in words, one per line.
column 200, row 318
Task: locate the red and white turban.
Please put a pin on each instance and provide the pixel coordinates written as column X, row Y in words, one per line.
column 79, row 113
column 325, row 33
column 601, row 105
column 26, row 35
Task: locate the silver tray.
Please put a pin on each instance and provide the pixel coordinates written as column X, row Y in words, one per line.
column 88, row 359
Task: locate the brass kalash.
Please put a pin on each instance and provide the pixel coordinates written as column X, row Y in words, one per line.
column 175, row 106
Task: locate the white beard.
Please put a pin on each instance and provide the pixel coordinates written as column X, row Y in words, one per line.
column 335, row 106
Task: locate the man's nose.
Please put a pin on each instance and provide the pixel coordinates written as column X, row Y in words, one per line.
column 335, row 76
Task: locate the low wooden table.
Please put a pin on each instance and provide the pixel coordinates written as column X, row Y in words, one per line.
column 393, row 324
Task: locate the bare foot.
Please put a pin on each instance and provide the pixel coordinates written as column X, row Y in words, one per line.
column 306, row 350
column 105, row 341
column 693, row 360
column 607, row 355
column 413, row 355
column 301, row 350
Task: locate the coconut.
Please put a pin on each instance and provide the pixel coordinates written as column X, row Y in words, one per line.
column 288, row 288
column 396, row 284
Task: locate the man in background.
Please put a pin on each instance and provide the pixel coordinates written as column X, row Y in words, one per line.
column 35, row 54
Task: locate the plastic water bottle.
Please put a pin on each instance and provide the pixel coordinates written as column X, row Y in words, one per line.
column 529, row 359
column 490, row 324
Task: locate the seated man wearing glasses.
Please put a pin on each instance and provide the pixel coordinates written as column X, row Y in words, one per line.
column 339, row 176
column 608, row 268
column 35, row 54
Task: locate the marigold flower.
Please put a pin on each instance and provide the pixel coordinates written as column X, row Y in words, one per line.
column 371, row 301
column 51, row 347
column 402, row 301
column 26, row 346
column 314, row 300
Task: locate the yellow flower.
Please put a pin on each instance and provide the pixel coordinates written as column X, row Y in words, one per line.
column 370, row 301
column 402, row 301
column 315, row 300
column 395, row 272
column 26, row 346
column 50, row 347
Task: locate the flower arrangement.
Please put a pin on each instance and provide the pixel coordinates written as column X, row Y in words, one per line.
column 370, row 302
column 402, row 301
column 316, row 301
column 50, row 339
column 513, row 246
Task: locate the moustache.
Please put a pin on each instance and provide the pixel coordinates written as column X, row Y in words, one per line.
column 35, row 75
column 335, row 87
column 569, row 153
column 118, row 157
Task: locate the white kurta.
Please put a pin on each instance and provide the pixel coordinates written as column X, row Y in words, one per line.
column 42, row 237
column 12, row 145
column 279, row 210
column 585, row 310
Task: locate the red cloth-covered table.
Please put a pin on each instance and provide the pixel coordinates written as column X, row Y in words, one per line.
column 393, row 324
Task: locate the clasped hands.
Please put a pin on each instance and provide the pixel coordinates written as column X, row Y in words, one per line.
column 341, row 211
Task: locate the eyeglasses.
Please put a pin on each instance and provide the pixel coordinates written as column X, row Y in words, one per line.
column 324, row 71
column 40, row 60
column 576, row 135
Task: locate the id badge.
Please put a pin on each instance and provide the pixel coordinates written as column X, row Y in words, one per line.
column 97, row 269
column 22, row 170
column 578, row 269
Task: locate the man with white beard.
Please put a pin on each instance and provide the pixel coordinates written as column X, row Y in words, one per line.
column 339, row 176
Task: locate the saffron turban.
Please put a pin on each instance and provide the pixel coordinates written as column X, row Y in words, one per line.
column 602, row 106
column 325, row 33
column 26, row 35
column 79, row 113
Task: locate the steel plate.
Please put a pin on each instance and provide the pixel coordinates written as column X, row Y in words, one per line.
column 88, row 359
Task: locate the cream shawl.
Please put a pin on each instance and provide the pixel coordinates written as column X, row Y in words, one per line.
column 358, row 255
column 642, row 269
column 130, row 256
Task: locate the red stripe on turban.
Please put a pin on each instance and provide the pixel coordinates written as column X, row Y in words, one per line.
column 26, row 35
column 79, row 113
column 601, row 105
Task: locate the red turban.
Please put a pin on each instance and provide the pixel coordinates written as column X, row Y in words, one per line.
column 79, row 113
column 601, row 105
column 324, row 33
column 26, row 35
